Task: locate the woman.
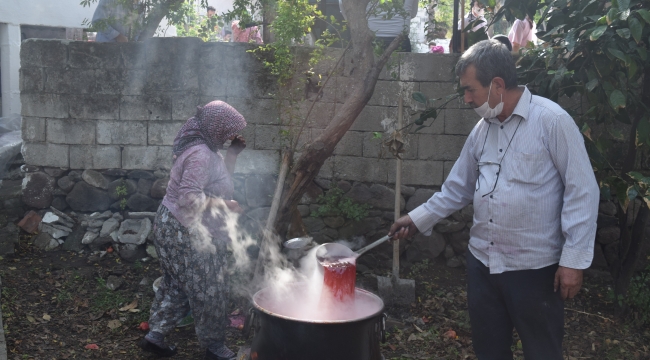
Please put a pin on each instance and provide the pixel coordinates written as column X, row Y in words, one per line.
column 190, row 239
column 521, row 33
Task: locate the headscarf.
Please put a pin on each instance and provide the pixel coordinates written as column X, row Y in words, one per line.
column 212, row 125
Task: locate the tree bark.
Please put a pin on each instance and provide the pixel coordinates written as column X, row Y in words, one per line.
column 155, row 16
column 363, row 78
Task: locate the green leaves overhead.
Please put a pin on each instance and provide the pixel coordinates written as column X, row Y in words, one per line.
column 617, row 99
column 597, row 32
column 636, row 28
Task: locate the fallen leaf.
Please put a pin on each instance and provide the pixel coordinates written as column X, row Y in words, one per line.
column 97, row 316
column 47, row 317
column 450, row 334
column 92, row 347
column 31, row 319
column 417, row 328
column 392, row 347
column 132, row 305
column 114, row 324
column 412, row 337
column 134, row 310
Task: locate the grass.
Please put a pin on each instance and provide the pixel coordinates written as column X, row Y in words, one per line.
column 106, row 299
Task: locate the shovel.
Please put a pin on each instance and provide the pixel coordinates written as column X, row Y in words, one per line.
column 329, row 252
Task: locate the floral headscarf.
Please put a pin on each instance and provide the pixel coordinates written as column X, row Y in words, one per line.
column 212, row 125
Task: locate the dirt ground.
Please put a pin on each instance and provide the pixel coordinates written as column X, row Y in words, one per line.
column 55, row 304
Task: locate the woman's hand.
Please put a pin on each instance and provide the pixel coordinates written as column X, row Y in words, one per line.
column 237, row 145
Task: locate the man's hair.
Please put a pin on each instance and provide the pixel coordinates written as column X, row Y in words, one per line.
column 491, row 59
column 211, row 8
column 503, row 39
column 475, row 1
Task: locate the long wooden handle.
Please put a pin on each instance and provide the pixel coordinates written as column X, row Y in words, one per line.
column 398, row 192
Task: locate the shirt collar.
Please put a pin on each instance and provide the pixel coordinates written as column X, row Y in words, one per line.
column 522, row 109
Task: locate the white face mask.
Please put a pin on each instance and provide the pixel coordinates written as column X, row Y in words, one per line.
column 485, row 111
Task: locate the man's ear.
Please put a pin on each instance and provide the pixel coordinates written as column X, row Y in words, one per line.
column 499, row 86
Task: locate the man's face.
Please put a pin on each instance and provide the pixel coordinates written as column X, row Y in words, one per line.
column 211, row 13
column 478, row 9
column 475, row 93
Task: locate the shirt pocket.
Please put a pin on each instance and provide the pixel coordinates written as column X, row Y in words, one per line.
column 527, row 168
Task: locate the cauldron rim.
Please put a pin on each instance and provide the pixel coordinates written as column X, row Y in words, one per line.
column 270, row 313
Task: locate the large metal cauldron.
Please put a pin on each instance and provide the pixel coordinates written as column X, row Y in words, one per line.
column 279, row 337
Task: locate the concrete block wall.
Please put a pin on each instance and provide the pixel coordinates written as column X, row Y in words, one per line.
column 101, row 106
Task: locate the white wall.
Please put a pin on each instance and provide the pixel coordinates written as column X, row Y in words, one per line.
column 60, row 13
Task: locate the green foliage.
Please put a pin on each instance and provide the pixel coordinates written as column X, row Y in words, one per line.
column 333, row 203
column 189, row 24
column 106, row 299
column 638, row 298
column 121, row 192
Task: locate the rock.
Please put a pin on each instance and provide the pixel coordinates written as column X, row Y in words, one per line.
column 419, row 197
column 159, row 188
column 144, row 186
column 101, row 216
column 449, row 252
column 312, row 194
column 334, row 222
column 109, row 226
column 384, row 198
column 345, row 186
column 66, row 184
column 49, row 218
column 54, row 172
column 144, row 281
column 37, row 190
column 139, row 202
column 161, row 173
column 45, row 242
column 459, row 241
column 115, row 172
column 84, row 197
column 151, row 251
column 259, row 190
column 304, row 210
column 128, row 185
column 9, row 237
column 29, row 168
column 605, row 221
column 141, row 174
column 132, row 252
column 59, row 202
column 141, row 215
column 95, row 224
column 407, row 190
column 607, row 208
column 599, row 260
column 611, row 253
column 95, row 178
column 117, row 216
column 75, row 175
column 114, row 282
column 608, row 235
column 323, row 183
column 74, row 241
column 100, row 243
column 313, row 224
column 88, row 237
column 454, row 262
column 331, row 233
column 466, row 214
column 30, row 222
column 358, row 228
column 425, row 247
column 134, row 231
column 446, row 226
column 359, row 193
column 63, row 216
column 54, row 231
column 362, row 268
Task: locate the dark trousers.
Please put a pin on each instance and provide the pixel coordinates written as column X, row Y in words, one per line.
column 521, row 299
column 404, row 46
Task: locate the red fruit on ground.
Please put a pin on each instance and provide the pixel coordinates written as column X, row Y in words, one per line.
column 92, row 347
column 144, row 326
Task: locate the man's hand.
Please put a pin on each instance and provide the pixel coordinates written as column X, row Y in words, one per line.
column 237, row 145
column 403, row 228
column 121, row 38
column 568, row 281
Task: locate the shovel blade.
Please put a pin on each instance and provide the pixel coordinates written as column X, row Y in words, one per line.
column 396, row 291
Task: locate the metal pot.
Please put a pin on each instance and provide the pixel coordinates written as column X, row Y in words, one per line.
column 279, row 337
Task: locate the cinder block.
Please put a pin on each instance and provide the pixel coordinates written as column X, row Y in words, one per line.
column 386, row 93
column 44, row 105
column 213, row 83
column 147, row 157
column 460, row 122
column 43, row 154
column 163, row 132
column 92, row 55
column 95, row 157
column 257, row 111
column 213, row 57
column 362, row 169
column 44, row 53
column 271, row 137
column 121, row 132
column 70, row 131
column 100, row 107
column 351, row 144
column 168, row 50
column 321, row 115
column 109, row 81
column 134, row 81
column 184, row 105
column 156, row 106
column 69, row 81
column 371, row 117
column 176, row 76
column 427, row 67
column 258, row 162
column 437, row 90
column 248, row 84
column 33, row 129
column 440, row 147
column 133, row 55
column 31, row 79
column 447, row 169
column 375, row 148
column 420, row 173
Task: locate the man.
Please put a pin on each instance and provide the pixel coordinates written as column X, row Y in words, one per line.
column 211, row 11
column 525, row 167
column 386, row 30
column 116, row 21
column 479, row 30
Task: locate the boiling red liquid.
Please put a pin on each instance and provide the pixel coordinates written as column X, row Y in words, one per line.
column 339, row 280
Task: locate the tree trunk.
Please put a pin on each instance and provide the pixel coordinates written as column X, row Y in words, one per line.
column 155, row 16
column 268, row 15
column 363, row 79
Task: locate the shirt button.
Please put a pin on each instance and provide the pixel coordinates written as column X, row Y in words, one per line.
column 502, row 126
column 491, row 196
column 490, row 220
column 491, row 243
column 500, row 150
